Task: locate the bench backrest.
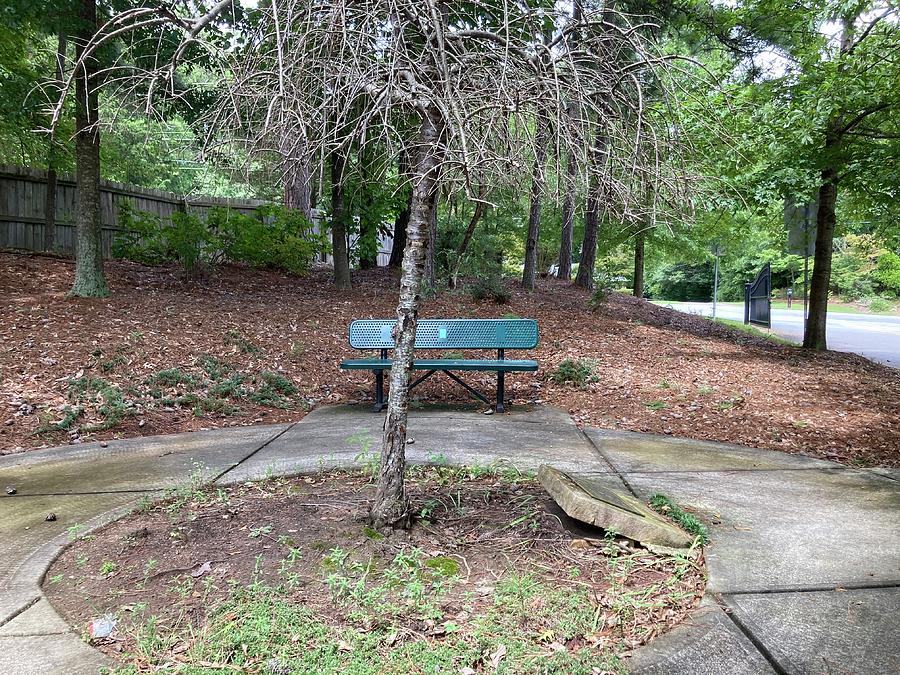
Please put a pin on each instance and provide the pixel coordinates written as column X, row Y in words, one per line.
column 449, row 334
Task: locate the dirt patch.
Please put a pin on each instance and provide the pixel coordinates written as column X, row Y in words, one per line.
column 488, row 548
column 161, row 356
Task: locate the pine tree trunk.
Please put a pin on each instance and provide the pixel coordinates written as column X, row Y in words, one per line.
column 339, row 251
column 430, row 263
column 564, row 270
column 49, row 243
column 90, row 282
column 297, row 180
column 391, row 508
column 814, row 337
column 399, row 243
column 638, row 289
column 534, row 212
column 585, row 276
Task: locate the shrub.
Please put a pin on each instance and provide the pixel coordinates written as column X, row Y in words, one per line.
column 880, row 305
column 490, row 288
column 274, row 237
column 577, row 372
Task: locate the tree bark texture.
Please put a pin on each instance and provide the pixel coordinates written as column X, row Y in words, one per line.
column 297, row 178
column 585, row 276
column 638, row 285
column 534, row 212
column 814, row 335
column 90, row 281
column 49, row 242
column 339, row 250
column 430, row 262
column 564, row 270
column 391, row 508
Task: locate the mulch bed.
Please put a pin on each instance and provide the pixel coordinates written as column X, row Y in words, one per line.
column 176, row 560
column 657, row 370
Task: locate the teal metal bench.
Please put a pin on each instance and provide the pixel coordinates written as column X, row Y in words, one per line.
column 499, row 334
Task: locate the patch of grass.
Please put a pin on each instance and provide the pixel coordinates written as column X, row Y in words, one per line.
column 69, row 417
column 656, row 405
column 233, row 338
column 576, row 372
column 214, row 367
column 107, row 568
column 688, row 521
column 453, row 355
column 113, row 406
column 272, row 390
column 754, row 331
column 705, row 389
column 172, row 377
column 230, row 387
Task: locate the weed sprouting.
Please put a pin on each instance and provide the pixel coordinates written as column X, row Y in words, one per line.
column 688, row 521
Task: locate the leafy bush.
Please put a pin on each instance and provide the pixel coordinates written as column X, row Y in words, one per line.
column 275, row 237
column 887, row 272
column 880, row 305
column 490, row 288
column 577, row 372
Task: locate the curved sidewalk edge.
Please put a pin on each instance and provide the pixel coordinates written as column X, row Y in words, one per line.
column 803, row 566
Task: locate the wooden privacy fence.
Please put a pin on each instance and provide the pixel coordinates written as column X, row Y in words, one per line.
column 23, row 198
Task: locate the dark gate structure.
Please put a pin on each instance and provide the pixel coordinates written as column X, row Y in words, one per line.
column 758, row 299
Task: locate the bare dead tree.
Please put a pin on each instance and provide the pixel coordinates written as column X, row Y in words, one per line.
column 471, row 76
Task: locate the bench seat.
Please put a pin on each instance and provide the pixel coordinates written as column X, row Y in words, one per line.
column 492, row 365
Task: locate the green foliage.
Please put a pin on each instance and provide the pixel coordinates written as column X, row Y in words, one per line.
column 682, row 282
column 576, row 372
column 275, row 237
column 110, row 402
column 490, row 288
column 887, row 272
column 880, row 306
column 688, row 521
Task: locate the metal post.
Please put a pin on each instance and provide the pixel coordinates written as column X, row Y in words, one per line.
column 715, row 286
column 379, row 386
column 501, row 377
column 805, row 288
column 747, row 303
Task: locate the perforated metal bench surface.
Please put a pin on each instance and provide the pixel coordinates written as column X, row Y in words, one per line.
column 450, row 334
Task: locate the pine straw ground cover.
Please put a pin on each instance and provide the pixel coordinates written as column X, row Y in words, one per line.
column 162, row 355
column 284, row 577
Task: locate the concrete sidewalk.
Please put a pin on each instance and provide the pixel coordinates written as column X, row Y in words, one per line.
column 804, row 564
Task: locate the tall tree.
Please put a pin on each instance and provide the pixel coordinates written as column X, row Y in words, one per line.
column 541, row 139
column 339, row 251
column 90, row 280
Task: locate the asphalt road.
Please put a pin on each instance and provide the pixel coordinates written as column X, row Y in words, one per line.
column 873, row 336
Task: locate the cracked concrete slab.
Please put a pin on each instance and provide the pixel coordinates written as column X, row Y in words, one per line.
column 852, row 631
column 707, row 643
column 789, row 529
column 630, row 452
column 350, row 435
column 134, row 464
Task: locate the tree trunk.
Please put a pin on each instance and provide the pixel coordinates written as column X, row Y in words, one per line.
column 391, row 507
column 564, row 270
column 467, row 239
column 534, row 213
column 638, row 289
column 90, row 281
column 814, row 335
column 400, row 224
column 49, row 243
column 430, row 263
column 339, row 250
column 585, row 276
column 297, row 180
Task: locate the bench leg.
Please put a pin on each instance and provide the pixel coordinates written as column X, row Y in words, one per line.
column 379, row 391
column 501, row 376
